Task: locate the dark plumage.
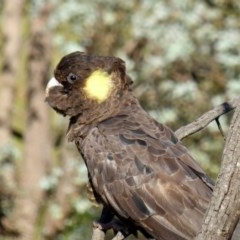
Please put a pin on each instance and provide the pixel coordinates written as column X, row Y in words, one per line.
column 137, row 167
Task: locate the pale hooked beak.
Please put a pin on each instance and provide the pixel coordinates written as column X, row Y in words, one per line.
column 52, row 83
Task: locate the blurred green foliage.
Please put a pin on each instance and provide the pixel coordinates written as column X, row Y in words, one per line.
column 184, row 58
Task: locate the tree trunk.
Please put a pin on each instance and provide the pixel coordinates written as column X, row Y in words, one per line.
column 37, row 136
column 11, row 26
column 224, row 210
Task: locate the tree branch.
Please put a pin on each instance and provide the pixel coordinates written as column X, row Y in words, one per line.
column 206, row 118
column 98, row 234
column 223, row 212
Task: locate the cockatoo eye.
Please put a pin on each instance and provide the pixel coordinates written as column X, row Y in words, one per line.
column 71, row 78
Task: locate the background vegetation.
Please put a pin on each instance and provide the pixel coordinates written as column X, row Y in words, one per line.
column 184, row 58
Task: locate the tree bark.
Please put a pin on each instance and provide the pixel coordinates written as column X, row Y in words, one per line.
column 11, row 26
column 224, row 209
column 206, row 118
column 37, row 137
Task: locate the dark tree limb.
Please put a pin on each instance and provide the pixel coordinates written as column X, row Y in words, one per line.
column 206, row 118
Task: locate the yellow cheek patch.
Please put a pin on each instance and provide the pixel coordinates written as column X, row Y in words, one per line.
column 98, row 85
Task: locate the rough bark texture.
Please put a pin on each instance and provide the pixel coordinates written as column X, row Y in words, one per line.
column 224, row 210
column 37, row 138
column 10, row 55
